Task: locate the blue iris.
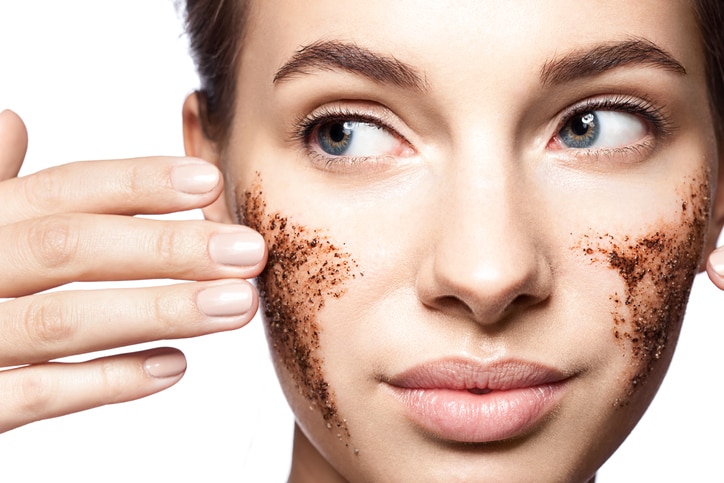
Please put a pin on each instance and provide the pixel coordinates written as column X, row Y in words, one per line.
column 335, row 137
column 581, row 131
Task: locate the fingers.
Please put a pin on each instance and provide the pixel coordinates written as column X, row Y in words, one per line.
column 48, row 326
column 715, row 267
column 48, row 390
column 13, row 144
column 51, row 251
column 127, row 187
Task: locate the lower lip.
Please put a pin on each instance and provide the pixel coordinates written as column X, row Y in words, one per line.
column 465, row 417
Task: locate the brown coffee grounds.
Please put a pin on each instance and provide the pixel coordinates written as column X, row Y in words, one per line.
column 304, row 269
column 658, row 270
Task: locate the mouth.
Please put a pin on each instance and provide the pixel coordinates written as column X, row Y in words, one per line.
column 467, row 402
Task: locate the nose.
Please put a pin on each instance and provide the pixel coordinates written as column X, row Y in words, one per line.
column 486, row 259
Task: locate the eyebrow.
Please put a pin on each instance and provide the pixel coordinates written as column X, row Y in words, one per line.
column 331, row 55
column 605, row 57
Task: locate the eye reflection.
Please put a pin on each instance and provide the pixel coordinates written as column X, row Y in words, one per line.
column 602, row 129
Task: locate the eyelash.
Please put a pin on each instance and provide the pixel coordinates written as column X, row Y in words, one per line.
column 660, row 125
column 305, row 126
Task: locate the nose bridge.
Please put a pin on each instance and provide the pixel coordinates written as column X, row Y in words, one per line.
column 486, row 258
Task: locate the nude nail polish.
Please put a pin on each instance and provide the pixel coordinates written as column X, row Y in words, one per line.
column 716, row 261
column 245, row 248
column 195, row 179
column 165, row 365
column 232, row 299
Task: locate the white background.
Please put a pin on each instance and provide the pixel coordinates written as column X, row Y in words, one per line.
column 101, row 79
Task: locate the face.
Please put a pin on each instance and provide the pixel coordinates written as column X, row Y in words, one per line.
column 483, row 221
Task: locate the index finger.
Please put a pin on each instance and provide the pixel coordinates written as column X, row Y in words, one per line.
column 13, row 144
column 151, row 185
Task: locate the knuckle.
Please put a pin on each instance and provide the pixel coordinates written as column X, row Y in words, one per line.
column 111, row 378
column 167, row 245
column 137, row 180
column 53, row 241
column 168, row 313
column 47, row 321
column 43, row 190
column 179, row 248
column 34, row 392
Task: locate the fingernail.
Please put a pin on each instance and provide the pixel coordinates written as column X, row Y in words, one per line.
column 165, row 365
column 716, row 261
column 225, row 300
column 195, row 179
column 243, row 249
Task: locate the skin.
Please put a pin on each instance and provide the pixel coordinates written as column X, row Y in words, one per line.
column 68, row 220
column 479, row 235
column 40, row 390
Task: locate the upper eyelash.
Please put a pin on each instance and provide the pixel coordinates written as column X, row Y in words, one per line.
column 306, row 124
column 639, row 106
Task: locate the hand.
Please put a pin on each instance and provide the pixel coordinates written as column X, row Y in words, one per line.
column 74, row 223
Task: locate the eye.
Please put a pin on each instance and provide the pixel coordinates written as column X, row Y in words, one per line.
column 358, row 139
column 594, row 129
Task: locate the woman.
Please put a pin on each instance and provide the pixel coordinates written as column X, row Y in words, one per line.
column 499, row 204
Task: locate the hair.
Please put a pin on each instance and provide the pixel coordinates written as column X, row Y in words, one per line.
column 216, row 30
column 710, row 16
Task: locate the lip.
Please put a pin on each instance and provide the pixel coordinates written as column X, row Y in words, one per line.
column 467, row 402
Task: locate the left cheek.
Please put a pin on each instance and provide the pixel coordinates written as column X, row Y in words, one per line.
column 655, row 272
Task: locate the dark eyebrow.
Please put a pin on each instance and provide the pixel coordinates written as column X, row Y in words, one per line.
column 604, row 57
column 349, row 57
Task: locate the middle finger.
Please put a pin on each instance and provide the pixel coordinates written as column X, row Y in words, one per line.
column 47, row 252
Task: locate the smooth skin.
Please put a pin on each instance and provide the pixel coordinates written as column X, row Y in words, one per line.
column 139, row 362
column 464, row 217
column 55, row 226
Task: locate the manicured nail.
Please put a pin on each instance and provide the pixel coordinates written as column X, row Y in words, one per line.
column 245, row 248
column 195, row 178
column 225, row 300
column 716, row 261
column 165, row 365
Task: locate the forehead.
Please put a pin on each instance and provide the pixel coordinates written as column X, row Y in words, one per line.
column 451, row 39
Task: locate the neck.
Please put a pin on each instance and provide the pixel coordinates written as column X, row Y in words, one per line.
column 308, row 465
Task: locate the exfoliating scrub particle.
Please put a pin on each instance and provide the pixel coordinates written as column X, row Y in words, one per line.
column 657, row 269
column 304, row 270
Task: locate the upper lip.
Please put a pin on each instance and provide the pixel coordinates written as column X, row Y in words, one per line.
column 464, row 374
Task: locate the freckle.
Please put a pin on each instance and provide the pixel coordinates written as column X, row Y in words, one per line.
column 291, row 299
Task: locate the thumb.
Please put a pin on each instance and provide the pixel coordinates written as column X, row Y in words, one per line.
column 13, row 144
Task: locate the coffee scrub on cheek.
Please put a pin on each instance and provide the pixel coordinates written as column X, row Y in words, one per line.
column 657, row 270
column 304, row 270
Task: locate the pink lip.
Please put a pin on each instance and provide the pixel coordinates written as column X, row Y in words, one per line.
column 461, row 401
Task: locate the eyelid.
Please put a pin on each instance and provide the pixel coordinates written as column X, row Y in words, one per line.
column 376, row 115
column 654, row 114
column 640, row 106
column 305, row 125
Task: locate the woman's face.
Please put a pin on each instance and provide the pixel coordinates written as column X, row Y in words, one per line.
column 483, row 221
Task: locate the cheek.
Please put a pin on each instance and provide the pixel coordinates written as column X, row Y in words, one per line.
column 304, row 269
column 657, row 270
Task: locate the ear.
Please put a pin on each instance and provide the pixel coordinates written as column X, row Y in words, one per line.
column 198, row 145
column 717, row 218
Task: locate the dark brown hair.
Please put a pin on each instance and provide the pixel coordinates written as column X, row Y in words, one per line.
column 215, row 29
column 216, row 32
column 710, row 16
